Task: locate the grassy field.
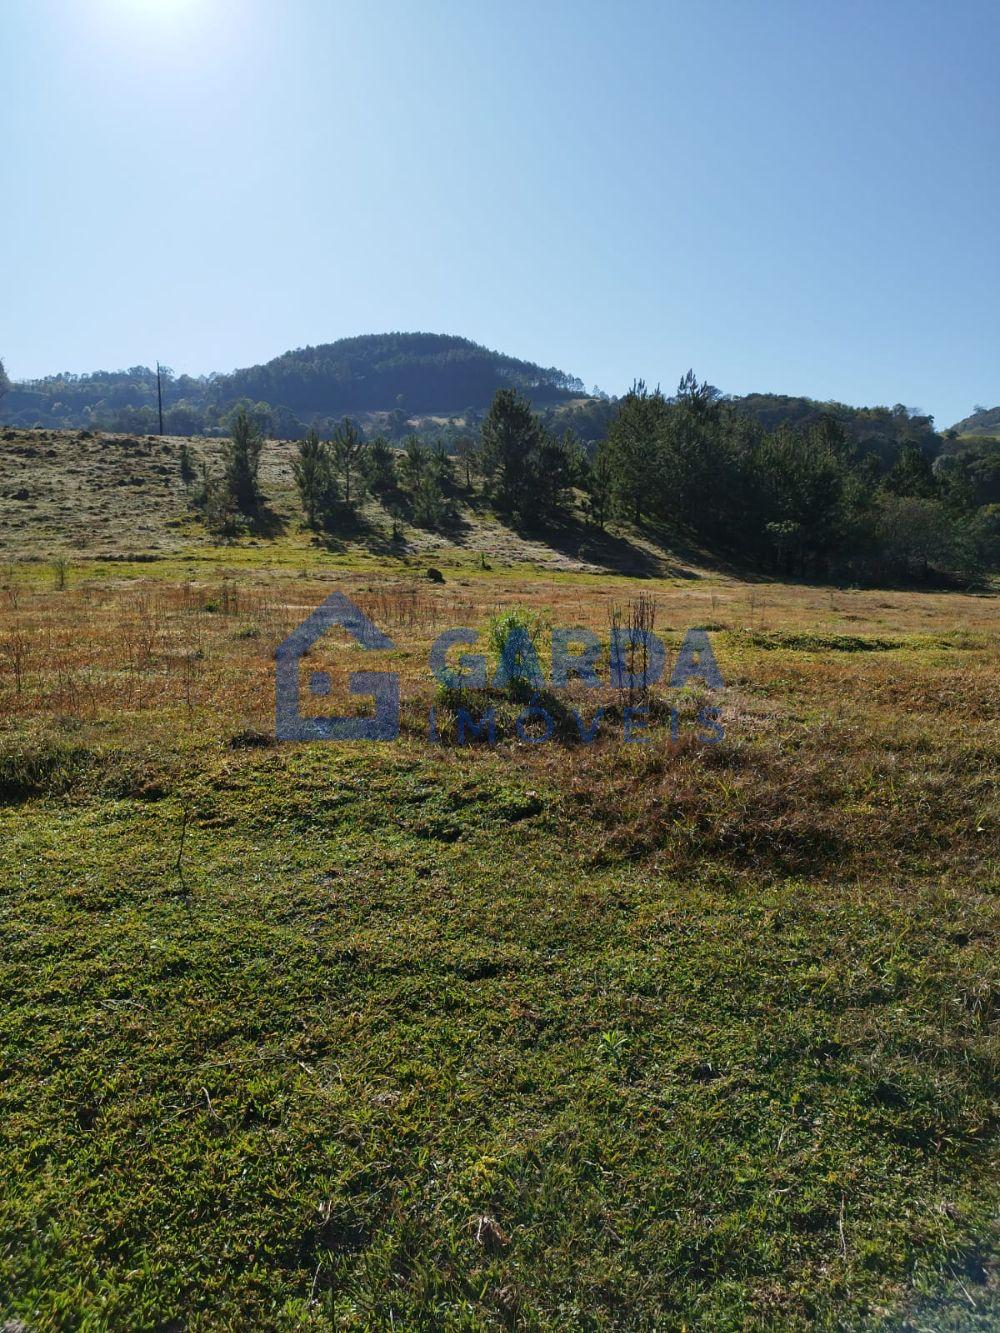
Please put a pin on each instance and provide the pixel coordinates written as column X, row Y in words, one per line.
column 666, row 1035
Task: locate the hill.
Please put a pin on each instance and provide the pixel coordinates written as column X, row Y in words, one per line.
column 406, row 373
column 983, row 421
column 418, row 372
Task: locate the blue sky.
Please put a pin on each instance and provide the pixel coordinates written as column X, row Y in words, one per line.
column 797, row 197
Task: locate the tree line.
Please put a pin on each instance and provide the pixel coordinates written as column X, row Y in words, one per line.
column 801, row 501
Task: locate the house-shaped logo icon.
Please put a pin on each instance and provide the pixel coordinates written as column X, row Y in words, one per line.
column 383, row 686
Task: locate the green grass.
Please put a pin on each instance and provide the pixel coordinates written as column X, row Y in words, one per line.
column 414, row 1037
column 405, row 1043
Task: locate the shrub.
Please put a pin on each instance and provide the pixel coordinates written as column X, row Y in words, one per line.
column 431, row 507
column 514, row 637
column 186, row 460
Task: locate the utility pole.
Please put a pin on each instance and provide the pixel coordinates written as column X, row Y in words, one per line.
column 159, row 396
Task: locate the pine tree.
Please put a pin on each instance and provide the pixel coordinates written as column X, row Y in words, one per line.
column 348, row 452
column 468, row 455
column 431, row 508
column 633, row 447
column 242, row 462
column 414, row 463
column 559, row 465
column 599, row 482
column 380, row 467
column 442, row 469
column 511, row 438
column 313, row 472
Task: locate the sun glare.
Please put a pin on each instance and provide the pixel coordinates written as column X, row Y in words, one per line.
column 155, row 28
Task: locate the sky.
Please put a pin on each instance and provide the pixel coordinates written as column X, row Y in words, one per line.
column 793, row 197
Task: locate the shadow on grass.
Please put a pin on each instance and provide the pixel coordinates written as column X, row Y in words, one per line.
column 348, row 527
column 615, row 552
column 267, row 522
column 452, row 524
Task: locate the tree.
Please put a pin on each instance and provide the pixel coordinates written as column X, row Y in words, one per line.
column 442, row 469
column 559, row 465
column 242, row 462
column 380, row 467
column 985, row 533
column 431, row 507
column 917, row 535
column 414, row 462
column 912, row 473
column 795, row 489
column 182, row 419
column 971, row 477
column 285, row 425
column 214, row 499
column 632, row 447
column 259, row 413
column 511, row 436
column 395, row 511
column 313, row 472
column 348, row 452
column 4, row 381
column 701, row 451
column 468, row 455
column 599, row 484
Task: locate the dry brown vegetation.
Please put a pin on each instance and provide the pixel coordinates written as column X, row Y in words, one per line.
column 858, row 724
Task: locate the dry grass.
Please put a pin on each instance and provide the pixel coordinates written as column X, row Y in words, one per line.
column 833, row 757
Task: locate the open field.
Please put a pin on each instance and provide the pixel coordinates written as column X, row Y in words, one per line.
column 544, row 1036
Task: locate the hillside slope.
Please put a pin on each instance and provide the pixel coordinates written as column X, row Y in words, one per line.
column 984, row 421
column 121, row 497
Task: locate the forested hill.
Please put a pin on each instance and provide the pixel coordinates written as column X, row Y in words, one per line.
column 415, row 373
column 419, row 372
